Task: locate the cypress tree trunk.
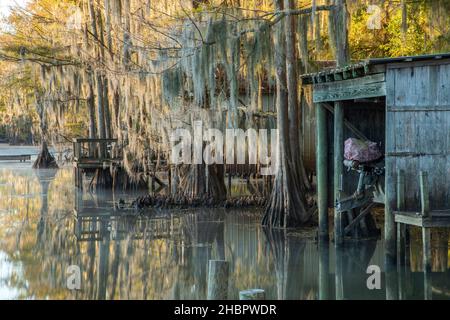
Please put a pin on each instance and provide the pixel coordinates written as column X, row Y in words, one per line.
column 287, row 205
column 293, row 99
column 45, row 159
column 102, row 178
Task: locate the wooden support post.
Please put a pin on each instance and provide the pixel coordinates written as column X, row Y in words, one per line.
column 169, row 178
column 338, row 167
column 401, row 228
column 174, row 180
column 207, row 179
column 426, row 232
column 391, row 279
column 252, row 294
column 424, row 195
column 442, row 252
column 217, row 280
column 390, row 234
column 324, row 263
column 426, row 242
column 75, row 176
column 322, row 170
column 339, row 273
column 359, row 218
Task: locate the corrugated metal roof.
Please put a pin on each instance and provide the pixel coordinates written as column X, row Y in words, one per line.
column 437, row 56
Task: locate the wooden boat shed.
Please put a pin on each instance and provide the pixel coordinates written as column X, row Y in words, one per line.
column 403, row 103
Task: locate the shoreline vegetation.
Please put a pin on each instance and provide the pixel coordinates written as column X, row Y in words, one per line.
column 134, row 71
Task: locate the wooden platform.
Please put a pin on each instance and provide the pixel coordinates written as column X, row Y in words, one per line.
column 426, row 219
column 21, row 158
column 92, row 154
column 91, row 224
column 436, row 219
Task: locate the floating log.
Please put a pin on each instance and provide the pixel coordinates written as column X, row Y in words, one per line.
column 21, row 158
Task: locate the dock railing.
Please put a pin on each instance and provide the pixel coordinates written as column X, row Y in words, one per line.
column 99, row 149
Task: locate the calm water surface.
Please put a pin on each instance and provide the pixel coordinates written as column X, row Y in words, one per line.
column 46, row 226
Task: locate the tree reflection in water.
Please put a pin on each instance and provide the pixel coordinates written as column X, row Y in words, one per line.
column 164, row 254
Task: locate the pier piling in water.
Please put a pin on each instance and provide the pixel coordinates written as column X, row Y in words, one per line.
column 217, row 280
column 252, row 294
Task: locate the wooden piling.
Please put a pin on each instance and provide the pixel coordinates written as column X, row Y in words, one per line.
column 401, row 237
column 426, row 242
column 174, row 180
column 427, row 284
column 424, row 195
column 217, row 280
column 324, row 263
column 390, row 234
column 322, row 170
column 339, row 273
column 425, row 209
column 426, row 234
column 401, row 228
column 252, row 294
column 169, row 178
column 338, row 167
column 391, row 280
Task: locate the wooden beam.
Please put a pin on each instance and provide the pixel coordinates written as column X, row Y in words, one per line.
column 348, row 124
column 363, row 87
column 416, row 219
column 338, row 167
column 355, row 221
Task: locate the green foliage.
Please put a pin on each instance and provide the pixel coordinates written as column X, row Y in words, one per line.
column 425, row 33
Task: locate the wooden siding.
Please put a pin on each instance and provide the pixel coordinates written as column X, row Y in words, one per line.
column 418, row 131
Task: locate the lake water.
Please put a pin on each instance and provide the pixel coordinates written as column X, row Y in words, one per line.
column 49, row 231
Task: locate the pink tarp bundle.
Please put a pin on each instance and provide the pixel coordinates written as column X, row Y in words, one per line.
column 361, row 151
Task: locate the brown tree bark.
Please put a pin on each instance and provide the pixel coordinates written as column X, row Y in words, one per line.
column 293, row 99
column 45, row 159
column 287, row 205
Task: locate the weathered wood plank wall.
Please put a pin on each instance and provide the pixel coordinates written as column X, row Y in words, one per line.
column 418, row 131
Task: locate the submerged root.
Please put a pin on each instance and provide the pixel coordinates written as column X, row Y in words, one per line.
column 288, row 206
column 160, row 201
column 45, row 159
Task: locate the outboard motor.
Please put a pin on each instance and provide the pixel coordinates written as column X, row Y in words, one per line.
column 365, row 158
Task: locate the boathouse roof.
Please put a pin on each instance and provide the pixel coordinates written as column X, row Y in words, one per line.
column 366, row 67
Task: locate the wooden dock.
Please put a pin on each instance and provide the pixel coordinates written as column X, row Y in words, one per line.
column 21, row 157
column 425, row 219
column 94, row 223
column 93, row 154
